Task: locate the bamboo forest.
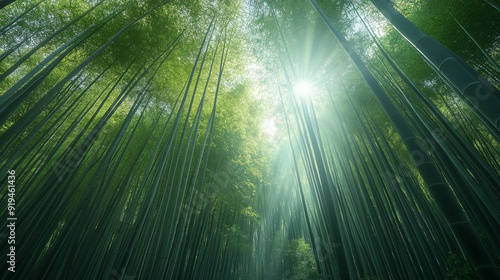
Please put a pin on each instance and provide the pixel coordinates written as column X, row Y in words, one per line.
column 250, row 139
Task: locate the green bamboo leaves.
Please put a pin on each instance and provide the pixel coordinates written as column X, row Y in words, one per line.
column 437, row 185
column 123, row 161
column 135, row 129
column 478, row 92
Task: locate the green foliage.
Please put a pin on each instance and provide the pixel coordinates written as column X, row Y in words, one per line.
column 299, row 254
column 136, row 131
column 459, row 268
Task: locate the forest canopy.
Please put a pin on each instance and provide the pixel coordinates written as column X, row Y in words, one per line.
column 250, row 139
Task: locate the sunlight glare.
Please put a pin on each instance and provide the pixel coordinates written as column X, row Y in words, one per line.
column 304, row 88
column 269, row 127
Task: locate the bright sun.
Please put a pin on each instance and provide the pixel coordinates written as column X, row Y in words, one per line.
column 304, row 88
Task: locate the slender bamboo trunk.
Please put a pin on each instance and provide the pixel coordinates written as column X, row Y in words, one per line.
column 493, row 4
column 5, row 3
column 474, row 89
column 440, row 191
